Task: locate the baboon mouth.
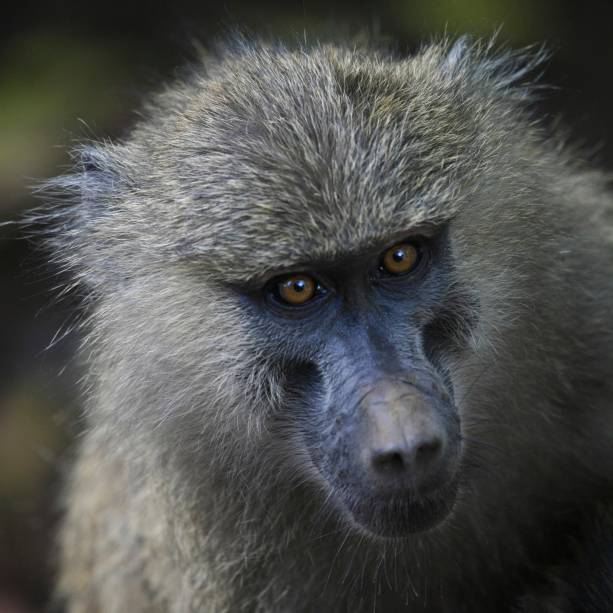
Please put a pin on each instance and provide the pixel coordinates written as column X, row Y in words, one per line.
column 399, row 517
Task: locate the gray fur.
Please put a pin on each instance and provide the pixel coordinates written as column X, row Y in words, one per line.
column 266, row 157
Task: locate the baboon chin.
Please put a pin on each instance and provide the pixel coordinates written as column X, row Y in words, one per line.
column 398, row 517
column 347, row 323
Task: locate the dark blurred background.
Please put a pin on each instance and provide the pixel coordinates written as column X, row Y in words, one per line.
column 73, row 70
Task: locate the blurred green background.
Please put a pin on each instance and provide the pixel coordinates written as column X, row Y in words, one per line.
column 75, row 70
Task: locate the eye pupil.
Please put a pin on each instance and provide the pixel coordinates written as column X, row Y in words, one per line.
column 299, row 286
column 398, row 255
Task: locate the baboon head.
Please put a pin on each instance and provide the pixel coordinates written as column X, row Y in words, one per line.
column 295, row 264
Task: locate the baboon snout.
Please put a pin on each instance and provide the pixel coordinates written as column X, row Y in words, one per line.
column 404, row 439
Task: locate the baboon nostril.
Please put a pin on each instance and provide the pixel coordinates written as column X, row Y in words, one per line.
column 427, row 451
column 389, row 462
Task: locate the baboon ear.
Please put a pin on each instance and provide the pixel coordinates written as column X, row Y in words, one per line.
column 79, row 211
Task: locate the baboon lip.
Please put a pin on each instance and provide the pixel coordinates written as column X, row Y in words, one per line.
column 400, row 517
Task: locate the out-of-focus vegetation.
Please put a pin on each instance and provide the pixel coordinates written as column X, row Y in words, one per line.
column 49, row 82
column 75, row 70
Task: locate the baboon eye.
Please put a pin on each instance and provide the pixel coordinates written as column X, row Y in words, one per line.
column 296, row 290
column 400, row 258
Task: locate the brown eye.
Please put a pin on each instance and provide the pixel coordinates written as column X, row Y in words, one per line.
column 400, row 258
column 296, row 289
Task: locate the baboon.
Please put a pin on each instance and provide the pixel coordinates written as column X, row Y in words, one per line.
column 349, row 342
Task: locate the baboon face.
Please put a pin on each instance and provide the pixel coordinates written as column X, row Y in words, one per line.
column 364, row 340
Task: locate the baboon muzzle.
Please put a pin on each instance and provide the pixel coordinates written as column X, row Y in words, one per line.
column 397, row 464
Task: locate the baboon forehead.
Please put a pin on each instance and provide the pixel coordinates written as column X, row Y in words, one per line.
column 294, row 157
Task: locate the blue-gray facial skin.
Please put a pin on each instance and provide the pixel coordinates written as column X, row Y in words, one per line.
column 368, row 394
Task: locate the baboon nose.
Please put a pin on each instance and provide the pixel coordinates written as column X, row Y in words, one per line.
column 404, row 442
column 409, row 458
